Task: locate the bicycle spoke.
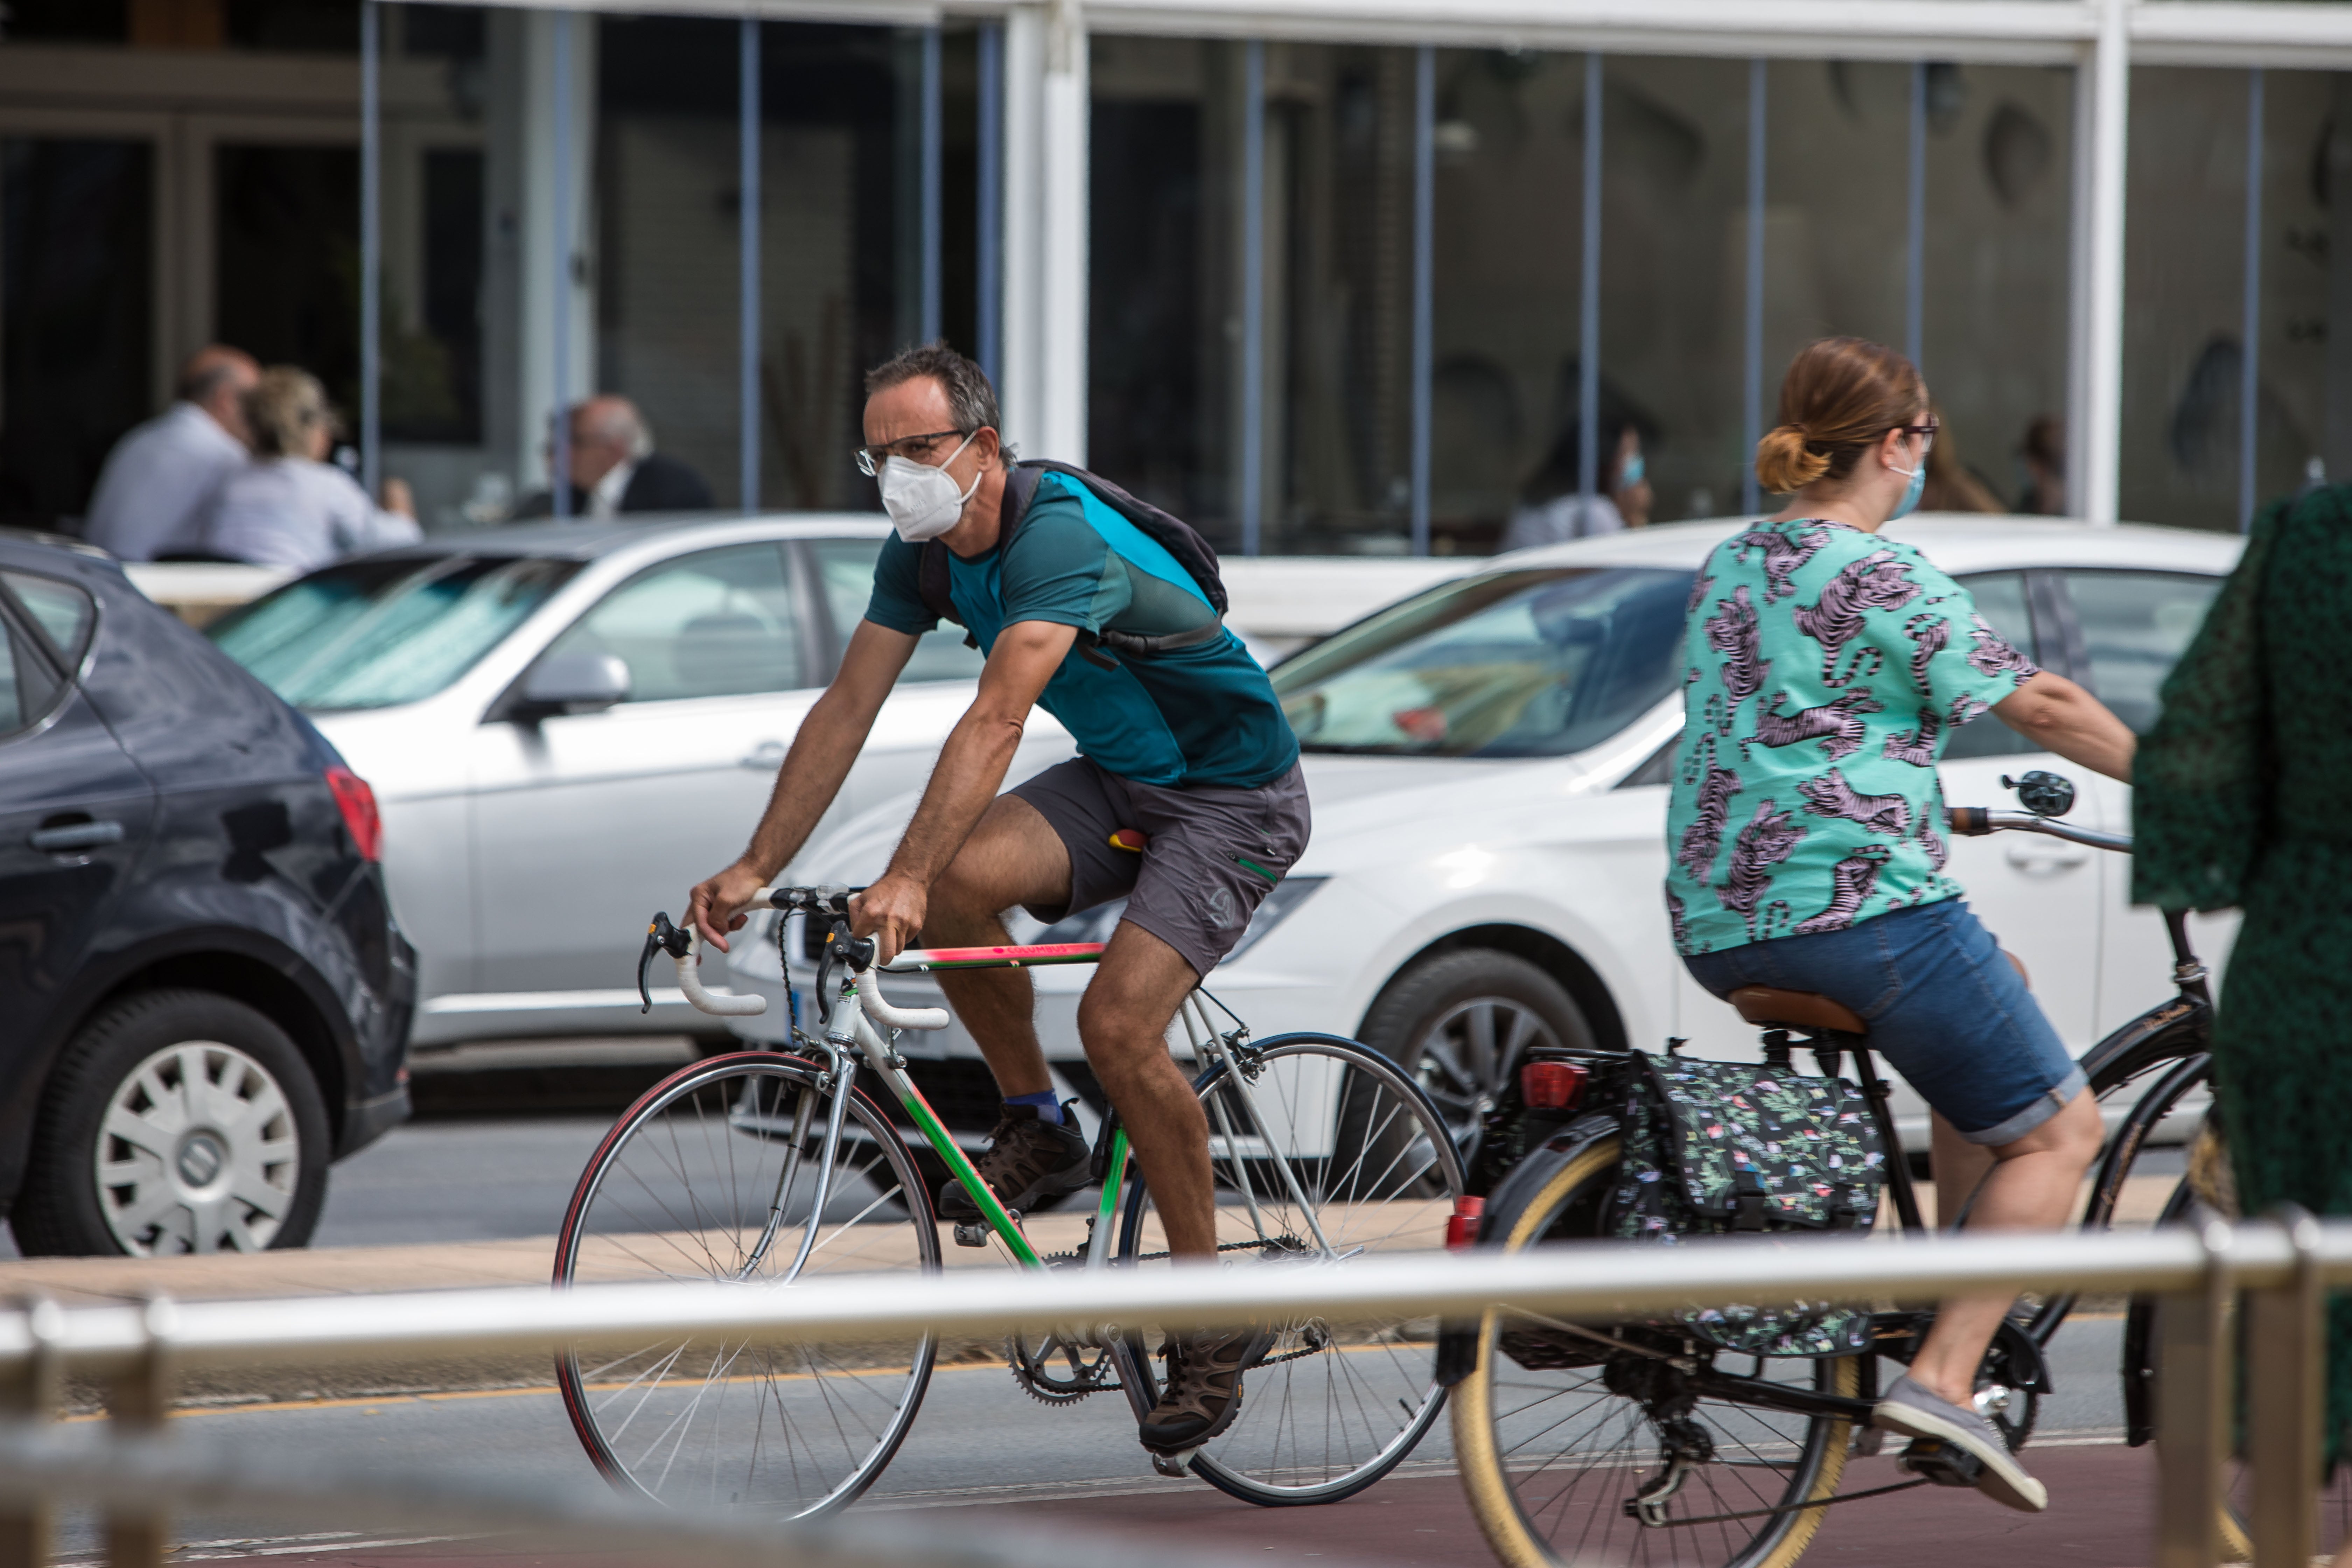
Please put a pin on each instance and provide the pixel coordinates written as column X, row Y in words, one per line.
column 685, row 1189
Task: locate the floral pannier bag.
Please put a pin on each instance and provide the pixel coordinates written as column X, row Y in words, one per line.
column 1723, row 1148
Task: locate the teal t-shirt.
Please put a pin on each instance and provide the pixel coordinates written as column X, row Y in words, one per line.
column 1825, row 669
column 1199, row 715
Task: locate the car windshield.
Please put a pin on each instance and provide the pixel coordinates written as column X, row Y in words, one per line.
column 377, row 633
column 1504, row 664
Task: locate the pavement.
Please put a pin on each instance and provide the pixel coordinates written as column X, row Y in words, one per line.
column 2100, row 1519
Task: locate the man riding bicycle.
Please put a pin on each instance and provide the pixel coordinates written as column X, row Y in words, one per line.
column 1186, row 799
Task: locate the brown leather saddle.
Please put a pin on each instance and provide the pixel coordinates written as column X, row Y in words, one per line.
column 1768, row 1007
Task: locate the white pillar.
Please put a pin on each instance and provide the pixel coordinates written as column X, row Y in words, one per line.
column 2095, row 415
column 536, row 313
column 1018, row 384
column 1061, row 411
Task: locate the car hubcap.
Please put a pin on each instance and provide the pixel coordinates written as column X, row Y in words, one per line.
column 197, row 1153
column 1468, row 1057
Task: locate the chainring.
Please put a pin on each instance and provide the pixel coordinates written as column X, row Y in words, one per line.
column 1052, row 1371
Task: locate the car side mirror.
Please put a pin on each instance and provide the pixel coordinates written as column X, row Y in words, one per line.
column 572, row 683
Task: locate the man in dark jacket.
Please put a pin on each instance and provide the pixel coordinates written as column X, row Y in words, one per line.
column 616, row 470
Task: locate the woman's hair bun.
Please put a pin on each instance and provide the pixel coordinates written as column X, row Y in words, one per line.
column 1782, row 463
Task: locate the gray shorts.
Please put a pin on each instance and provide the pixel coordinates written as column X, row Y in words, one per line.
column 1212, row 854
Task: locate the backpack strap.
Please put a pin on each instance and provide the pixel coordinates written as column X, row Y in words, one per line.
column 931, row 571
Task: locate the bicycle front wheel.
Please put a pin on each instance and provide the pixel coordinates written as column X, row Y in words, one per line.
column 1573, row 1452
column 711, row 1176
column 1324, row 1151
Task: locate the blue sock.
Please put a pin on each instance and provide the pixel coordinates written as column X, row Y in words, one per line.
column 1048, row 1109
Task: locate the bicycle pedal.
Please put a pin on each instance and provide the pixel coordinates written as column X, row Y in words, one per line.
column 1174, row 1465
column 1934, row 1460
column 974, row 1235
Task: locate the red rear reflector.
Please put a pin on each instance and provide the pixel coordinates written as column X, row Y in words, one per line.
column 1462, row 1224
column 357, row 802
column 1551, row 1085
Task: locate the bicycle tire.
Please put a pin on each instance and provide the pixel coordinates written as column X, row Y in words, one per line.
column 822, row 1422
column 1566, row 1201
column 1401, row 1204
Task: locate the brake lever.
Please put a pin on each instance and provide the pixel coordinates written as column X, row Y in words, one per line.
column 660, row 937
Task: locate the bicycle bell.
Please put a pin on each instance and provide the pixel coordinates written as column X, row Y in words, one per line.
column 2042, row 793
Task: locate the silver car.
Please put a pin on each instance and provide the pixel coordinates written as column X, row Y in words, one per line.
column 567, row 724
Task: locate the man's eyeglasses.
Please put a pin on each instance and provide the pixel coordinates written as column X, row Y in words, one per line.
column 870, row 458
column 1926, row 433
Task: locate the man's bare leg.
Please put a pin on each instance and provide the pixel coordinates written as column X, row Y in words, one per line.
column 1014, row 857
column 1123, row 1022
column 2034, row 1185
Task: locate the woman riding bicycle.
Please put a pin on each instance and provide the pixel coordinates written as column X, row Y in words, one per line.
column 1827, row 665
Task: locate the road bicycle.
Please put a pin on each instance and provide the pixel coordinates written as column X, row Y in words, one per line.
column 1640, row 1444
column 770, row 1166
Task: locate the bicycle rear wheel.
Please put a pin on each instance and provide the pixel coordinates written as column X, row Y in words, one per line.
column 1558, row 1436
column 710, row 1177
column 1347, row 1147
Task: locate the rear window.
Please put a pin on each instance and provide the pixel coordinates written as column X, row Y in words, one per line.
column 1504, row 664
column 378, row 633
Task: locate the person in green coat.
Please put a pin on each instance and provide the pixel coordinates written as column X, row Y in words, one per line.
column 2243, row 799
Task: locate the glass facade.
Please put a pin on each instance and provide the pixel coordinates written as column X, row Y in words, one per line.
column 2186, row 339
column 1253, row 367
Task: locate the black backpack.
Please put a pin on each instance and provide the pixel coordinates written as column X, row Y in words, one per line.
column 1172, row 533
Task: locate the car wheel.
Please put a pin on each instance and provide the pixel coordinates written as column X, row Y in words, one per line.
column 177, row 1122
column 1460, row 1023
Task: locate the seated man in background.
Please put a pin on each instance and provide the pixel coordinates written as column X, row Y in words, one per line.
column 161, row 477
column 616, row 470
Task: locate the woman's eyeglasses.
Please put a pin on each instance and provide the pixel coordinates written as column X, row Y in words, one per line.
column 1926, row 433
column 870, row 458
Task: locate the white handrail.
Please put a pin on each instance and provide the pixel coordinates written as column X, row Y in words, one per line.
column 1588, row 1281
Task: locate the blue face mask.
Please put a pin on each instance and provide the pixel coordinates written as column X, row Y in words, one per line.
column 1911, row 493
column 1632, row 473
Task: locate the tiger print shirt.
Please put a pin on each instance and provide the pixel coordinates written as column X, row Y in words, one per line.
column 1824, row 668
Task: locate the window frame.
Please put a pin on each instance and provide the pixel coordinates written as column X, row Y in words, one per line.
column 2062, row 597
column 18, row 625
column 812, row 646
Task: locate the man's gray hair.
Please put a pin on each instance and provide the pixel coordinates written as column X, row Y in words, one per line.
column 971, row 401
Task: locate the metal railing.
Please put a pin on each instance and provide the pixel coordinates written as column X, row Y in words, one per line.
column 2198, row 1271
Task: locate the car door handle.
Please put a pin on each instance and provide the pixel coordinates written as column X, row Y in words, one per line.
column 767, row 757
column 2045, row 857
column 76, row 836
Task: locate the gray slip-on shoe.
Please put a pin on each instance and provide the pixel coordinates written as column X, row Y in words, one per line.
column 1908, row 1408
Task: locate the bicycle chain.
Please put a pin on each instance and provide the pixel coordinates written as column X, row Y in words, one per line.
column 1027, row 1370
column 1783, row 1507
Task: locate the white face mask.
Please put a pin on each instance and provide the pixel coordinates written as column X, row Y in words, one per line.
column 922, row 501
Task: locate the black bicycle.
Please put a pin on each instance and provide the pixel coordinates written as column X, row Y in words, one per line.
column 1640, row 1444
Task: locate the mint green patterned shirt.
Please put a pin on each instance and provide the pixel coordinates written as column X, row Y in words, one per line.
column 1824, row 669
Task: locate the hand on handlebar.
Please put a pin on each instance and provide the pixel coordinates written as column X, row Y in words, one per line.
column 891, row 912
column 715, row 906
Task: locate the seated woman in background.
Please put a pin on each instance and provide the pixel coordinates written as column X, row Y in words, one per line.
column 289, row 506
column 1551, row 510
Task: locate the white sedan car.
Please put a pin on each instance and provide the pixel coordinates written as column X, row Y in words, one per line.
column 566, row 724
column 1489, row 761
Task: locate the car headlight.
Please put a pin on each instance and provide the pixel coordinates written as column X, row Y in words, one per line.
column 1287, row 896
column 1096, row 924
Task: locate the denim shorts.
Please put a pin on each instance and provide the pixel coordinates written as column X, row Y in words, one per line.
column 1945, row 1008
